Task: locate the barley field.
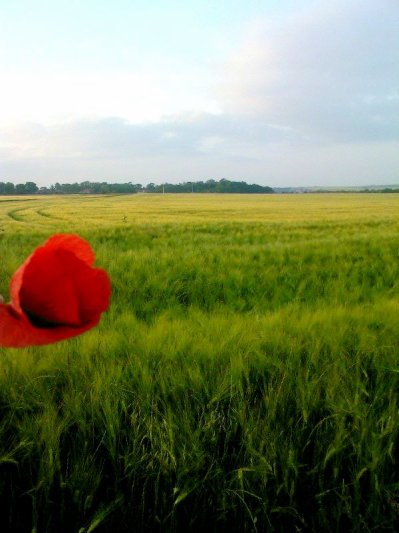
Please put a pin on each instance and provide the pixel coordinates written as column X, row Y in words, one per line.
column 245, row 378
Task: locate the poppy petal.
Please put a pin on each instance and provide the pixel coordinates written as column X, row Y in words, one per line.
column 55, row 294
column 48, row 292
column 17, row 332
column 72, row 243
column 58, row 288
column 94, row 293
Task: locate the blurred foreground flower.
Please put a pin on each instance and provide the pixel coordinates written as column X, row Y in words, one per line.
column 55, row 294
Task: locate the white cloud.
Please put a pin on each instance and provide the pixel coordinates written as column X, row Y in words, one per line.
column 51, row 97
column 113, row 149
column 329, row 72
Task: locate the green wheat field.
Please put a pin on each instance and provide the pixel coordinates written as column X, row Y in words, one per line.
column 245, row 378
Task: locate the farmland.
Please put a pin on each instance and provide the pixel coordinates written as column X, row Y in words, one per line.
column 246, row 376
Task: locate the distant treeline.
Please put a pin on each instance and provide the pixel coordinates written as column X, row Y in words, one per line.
column 222, row 186
column 346, row 191
column 88, row 187
column 387, row 189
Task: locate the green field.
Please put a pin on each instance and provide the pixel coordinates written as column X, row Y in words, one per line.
column 245, row 378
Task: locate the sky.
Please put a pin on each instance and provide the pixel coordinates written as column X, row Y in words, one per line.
column 276, row 92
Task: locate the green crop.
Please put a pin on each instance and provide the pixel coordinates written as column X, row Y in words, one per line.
column 245, row 378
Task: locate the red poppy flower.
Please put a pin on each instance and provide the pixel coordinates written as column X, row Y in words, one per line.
column 55, row 294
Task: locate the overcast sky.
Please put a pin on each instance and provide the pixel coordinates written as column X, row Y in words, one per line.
column 277, row 92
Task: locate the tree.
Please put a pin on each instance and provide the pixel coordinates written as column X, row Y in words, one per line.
column 31, row 187
column 20, row 188
column 9, row 188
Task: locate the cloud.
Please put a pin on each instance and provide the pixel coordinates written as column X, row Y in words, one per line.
column 197, row 147
column 112, row 138
column 140, row 95
column 329, row 72
column 310, row 98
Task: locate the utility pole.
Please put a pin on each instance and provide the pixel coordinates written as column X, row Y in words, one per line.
column 163, row 188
